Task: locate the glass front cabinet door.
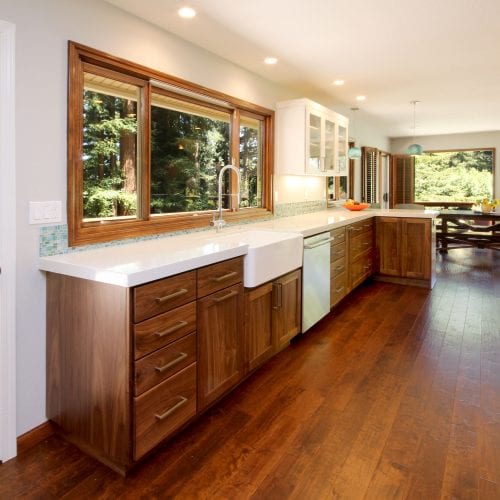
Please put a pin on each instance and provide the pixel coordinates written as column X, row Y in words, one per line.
column 310, row 139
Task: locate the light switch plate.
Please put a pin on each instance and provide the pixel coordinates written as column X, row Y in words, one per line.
column 44, row 212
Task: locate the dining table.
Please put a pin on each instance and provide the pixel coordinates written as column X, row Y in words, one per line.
column 467, row 228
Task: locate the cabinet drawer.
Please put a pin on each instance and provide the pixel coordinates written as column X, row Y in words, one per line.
column 337, row 267
column 164, row 329
column 161, row 364
column 361, row 269
column 362, row 226
column 338, row 288
column 218, row 276
column 360, row 244
column 163, row 295
column 337, row 251
column 338, row 234
column 163, row 409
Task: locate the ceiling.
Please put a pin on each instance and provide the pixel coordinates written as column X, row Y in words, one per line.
column 444, row 53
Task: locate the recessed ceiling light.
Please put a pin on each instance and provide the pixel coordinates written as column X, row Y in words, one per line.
column 338, row 82
column 270, row 60
column 360, row 98
column 186, row 12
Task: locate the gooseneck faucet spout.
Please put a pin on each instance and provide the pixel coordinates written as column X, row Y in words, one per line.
column 220, row 223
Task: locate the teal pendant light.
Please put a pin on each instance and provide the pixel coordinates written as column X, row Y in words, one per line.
column 414, row 149
column 354, row 152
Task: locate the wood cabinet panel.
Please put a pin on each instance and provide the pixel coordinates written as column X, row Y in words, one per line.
column 416, row 248
column 258, row 325
column 163, row 329
column 287, row 308
column 220, row 345
column 388, row 246
column 88, row 365
column 163, row 295
column 405, row 250
column 161, row 364
column 163, row 409
column 218, row 276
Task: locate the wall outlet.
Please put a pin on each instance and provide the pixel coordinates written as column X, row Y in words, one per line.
column 44, row 212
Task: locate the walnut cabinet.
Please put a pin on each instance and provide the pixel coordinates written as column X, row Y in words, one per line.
column 405, row 250
column 128, row 367
column 272, row 317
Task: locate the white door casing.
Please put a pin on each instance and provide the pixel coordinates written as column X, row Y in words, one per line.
column 8, row 447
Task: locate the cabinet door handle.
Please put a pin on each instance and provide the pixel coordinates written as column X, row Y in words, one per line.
column 225, row 297
column 224, row 277
column 163, row 416
column 318, row 244
column 172, row 329
column 170, row 296
column 339, row 289
column 178, row 359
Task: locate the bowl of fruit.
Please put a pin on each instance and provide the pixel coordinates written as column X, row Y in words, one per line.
column 355, row 205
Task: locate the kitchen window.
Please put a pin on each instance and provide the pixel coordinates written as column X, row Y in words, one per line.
column 145, row 149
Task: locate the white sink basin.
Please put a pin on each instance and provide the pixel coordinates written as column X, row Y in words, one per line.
column 270, row 254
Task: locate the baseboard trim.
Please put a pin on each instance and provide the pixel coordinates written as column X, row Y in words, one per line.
column 34, row 436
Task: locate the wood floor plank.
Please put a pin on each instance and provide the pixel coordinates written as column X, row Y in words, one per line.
column 395, row 395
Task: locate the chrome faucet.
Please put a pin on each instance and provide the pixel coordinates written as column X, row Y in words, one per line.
column 220, row 223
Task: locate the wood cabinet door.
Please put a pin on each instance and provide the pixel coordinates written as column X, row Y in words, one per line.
column 416, row 248
column 388, row 246
column 258, row 325
column 287, row 293
column 220, row 343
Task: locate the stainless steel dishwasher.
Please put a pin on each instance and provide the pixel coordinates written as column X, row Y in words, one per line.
column 315, row 279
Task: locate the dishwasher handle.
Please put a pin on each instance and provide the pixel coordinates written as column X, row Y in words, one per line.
column 318, row 244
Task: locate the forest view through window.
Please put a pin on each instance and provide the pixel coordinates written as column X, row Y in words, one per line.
column 454, row 175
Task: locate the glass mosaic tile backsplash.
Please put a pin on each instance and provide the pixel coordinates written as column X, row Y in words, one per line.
column 54, row 239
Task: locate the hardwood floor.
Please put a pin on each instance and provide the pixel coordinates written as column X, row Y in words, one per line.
column 397, row 395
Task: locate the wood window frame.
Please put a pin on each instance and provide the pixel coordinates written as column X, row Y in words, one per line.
column 82, row 232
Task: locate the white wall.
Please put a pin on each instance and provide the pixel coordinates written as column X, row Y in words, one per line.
column 43, row 30
column 455, row 141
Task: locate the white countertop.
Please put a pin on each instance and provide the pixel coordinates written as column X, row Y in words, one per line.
column 136, row 263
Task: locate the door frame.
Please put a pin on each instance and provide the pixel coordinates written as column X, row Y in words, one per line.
column 8, row 447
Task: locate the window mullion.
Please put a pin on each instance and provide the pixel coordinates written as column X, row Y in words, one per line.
column 235, row 158
column 145, row 165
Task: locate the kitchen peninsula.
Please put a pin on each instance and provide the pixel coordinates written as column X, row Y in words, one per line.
column 142, row 338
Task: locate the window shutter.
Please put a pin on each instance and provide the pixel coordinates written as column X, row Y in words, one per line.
column 402, row 179
column 369, row 174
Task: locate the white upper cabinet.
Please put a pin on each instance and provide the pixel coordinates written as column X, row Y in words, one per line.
column 310, row 139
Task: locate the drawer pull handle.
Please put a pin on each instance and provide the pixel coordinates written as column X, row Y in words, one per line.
column 170, row 296
column 169, row 412
column 172, row 329
column 225, row 297
column 339, row 268
column 161, row 369
column 366, row 243
column 339, row 289
column 224, row 277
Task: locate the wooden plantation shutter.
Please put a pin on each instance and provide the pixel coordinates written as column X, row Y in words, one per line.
column 402, row 181
column 369, row 174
